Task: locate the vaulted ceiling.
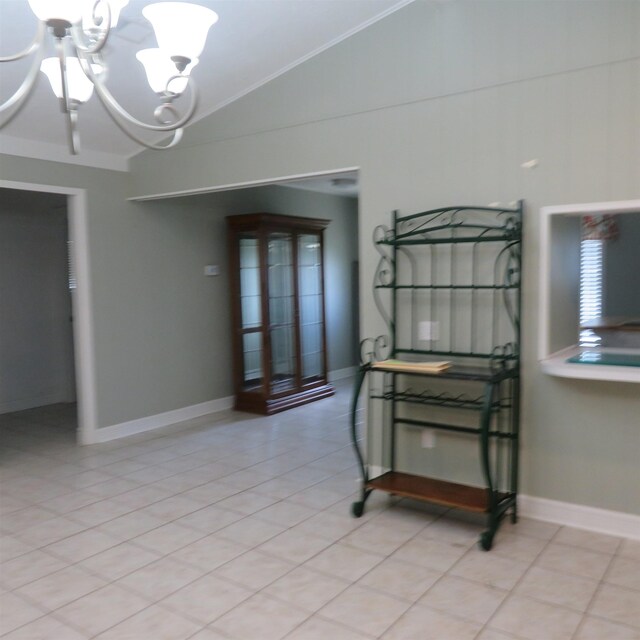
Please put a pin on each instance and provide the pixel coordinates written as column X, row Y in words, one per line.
column 253, row 42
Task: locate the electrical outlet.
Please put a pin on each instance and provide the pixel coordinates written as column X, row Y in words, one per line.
column 428, row 330
column 428, row 438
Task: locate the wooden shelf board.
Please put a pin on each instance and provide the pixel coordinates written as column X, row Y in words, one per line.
column 449, row 494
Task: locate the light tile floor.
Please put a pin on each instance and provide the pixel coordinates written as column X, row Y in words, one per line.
column 236, row 526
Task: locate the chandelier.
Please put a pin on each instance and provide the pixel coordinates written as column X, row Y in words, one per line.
column 79, row 67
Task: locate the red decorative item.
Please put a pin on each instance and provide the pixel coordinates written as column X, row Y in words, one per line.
column 599, row 227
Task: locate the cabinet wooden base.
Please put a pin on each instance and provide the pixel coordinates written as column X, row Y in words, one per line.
column 254, row 403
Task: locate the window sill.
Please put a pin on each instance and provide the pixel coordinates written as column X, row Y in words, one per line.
column 556, row 365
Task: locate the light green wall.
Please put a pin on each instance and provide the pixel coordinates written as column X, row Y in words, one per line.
column 439, row 104
column 161, row 328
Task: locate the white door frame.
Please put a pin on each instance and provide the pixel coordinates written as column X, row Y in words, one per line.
column 83, row 344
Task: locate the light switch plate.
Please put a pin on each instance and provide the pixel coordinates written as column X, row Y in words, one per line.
column 212, row 270
column 428, row 330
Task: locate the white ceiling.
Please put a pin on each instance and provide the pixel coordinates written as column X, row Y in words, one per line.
column 253, row 42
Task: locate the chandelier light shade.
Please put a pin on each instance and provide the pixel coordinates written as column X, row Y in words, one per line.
column 68, row 10
column 181, row 29
column 161, row 71
column 80, row 30
column 79, row 87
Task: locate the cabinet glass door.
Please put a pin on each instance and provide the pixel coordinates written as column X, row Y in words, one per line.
column 281, row 312
column 250, row 311
column 310, row 300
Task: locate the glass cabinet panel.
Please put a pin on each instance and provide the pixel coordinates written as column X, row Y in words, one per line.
column 281, row 312
column 311, row 312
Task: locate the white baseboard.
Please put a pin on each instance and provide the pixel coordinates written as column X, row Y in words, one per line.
column 159, row 420
column 340, row 374
column 615, row 523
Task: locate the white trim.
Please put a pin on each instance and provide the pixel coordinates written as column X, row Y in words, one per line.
column 241, row 185
column 150, row 423
column 340, row 374
column 58, row 153
column 83, row 318
column 615, row 523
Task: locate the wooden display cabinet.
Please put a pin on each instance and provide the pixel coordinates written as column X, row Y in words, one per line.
column 278, row 311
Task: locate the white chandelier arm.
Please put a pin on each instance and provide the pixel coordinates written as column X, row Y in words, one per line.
column 73, row 137
column 101, row 32
column 35, row 43
column 113, row 108
column 12, row 106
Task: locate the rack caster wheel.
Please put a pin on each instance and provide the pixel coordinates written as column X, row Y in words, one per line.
column 486, row 540
column 357, row 509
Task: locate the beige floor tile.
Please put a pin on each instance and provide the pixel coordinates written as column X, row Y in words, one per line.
column 12, row 547
column 453, row 531
column 557, row 588
column 173, row 507
column 306, row 588
column 130, row 525
column 247, row 502
column 316, row 497
column 51, row 531
column 209, row 519
column 624, row 572
column 99, row 512
column 465, row 599
column 285, row 513
column 400, row 579
column 260, row 617
column 119, row 561
column 254, row 569
column 573, row 560
column 535, row 620
column 587, row 540
column 82, row 545
column 365, row 610
column 593, row 628
column 208, row 634
column 344, row 561
column 294, row 545
column 532, row 528
column 206, row 599
column 331, row 526
column 319, row 629
column 46, row 628
column 60, row 588
column 154, row 623
column 439, row 555
column 209, row 553
column 23, row 519
column 420, row 620
column 481, row 566
column 630, row 549
column 517, row 547
column 378, row 538
column 160, row 578
column 617, row 604
column 492, row 634
column 29, row 567
column 167, row 538
column 250, row 531
column 102, row 609
column 15, row 612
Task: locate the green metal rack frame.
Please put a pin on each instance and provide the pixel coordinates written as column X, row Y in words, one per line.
column 459, row 267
